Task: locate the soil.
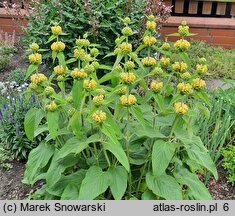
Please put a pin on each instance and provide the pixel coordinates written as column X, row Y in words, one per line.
column 11, row 187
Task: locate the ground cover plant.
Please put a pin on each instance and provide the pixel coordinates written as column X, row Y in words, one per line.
column 222, row 64
column 131, row 130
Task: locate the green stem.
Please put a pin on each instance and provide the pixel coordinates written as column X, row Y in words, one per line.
column 128, row 152
column 107, row 158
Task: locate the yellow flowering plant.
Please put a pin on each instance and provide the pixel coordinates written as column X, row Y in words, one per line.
column 127, row 134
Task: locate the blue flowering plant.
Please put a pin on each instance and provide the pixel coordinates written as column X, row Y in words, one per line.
column 13, row 136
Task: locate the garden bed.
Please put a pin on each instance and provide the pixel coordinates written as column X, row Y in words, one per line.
column 12, row 188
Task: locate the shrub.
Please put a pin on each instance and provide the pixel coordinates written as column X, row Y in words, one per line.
column 131, row 130
column 229, row 163
column 4, row 61
column 17, row 76
column 12, row 123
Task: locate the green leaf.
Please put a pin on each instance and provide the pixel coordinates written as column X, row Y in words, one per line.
column 53, row 121
column 118, row 181
column 186, row 58
column 76, row 145
column 71, row 61
column 32, row 120
column 75, row 178
column 149, row 132
column 30, row 70
column 197, row 151
column 37, row 160
column 148, row 195
column 160, row 102
column 77, row 92
column 61, row 58
column 174, row 34
column 95, row 183
column 137, row 113
column 54, row 54
column 164, row 186
column 74, row 122
column 53, row 37
column 70, row 192
column 162, row 154
column 118, row 152
column 197, row 188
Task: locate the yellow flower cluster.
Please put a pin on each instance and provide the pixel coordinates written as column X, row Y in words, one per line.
column 126, row 47
column 184, row 88
column 122, row 90
column 149, row 61
column 185, row 76
column 35, row 58
column 98, row 100
column 99, row 116
column 49, row 90
column 89, row 68
column 129, row 65
column 56, row 30
column 59, row 70
column 90, row 85
column 34, row 47
column 157, row 71
column 79, row 54
column 166, row 46
column 149, row 41
column 180, row 108
column 78, row 74
column 179, row 67
column 58, row 46
column 182, row 44
column 38, row 78
column 128, row 100
column 118, row 68
column 128, row 78
column 82, row 42
column 151, row 25
column 60, row 78
column 164, row 61
column 51, row 106
column 156, row 86
column 183, row 30
column 198, row 84
column 127, row 31
column 201, row 69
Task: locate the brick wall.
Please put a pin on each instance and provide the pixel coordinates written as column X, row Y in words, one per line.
column 7, row 24
column 215, row 31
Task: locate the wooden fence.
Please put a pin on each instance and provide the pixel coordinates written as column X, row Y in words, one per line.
column 213, row 21
column 205, row 8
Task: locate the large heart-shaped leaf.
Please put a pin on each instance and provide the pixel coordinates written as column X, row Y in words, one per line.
column 95, row 183
column 164, row 186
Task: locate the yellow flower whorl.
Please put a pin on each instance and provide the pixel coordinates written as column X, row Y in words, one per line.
column 35, row 58
column 180, row 108
column 59, row 70
column 184, row 88
column 38, row 78
column 78, row 74
column 128, row 100
column 198, row 84
column 156, row 86
column 58, row 46
column 149, row 61
column 90, row 85
column 99, row 116
column 128, row 78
